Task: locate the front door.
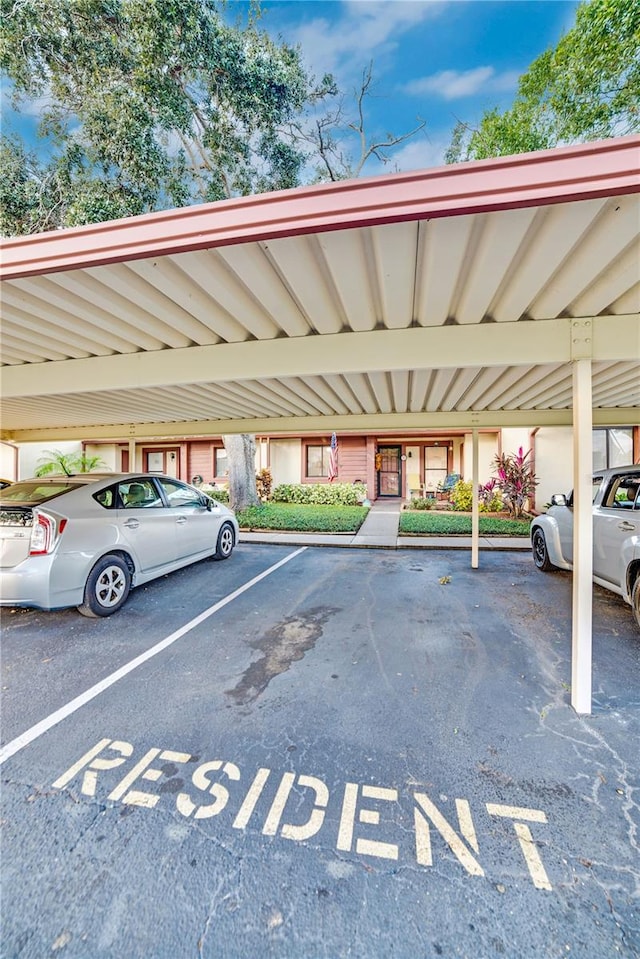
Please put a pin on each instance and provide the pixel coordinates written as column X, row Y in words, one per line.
column 435, row 468
column 389, row 471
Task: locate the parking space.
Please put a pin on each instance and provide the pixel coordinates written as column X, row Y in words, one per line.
column 362, row 753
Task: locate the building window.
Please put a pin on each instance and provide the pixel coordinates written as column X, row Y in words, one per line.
column 612, row 447
column 220, row 463
column 317, row 463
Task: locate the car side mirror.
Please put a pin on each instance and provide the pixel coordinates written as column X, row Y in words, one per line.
column 207, row 503
column 558, row 499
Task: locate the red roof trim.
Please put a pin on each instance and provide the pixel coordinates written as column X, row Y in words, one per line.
column 606, row 168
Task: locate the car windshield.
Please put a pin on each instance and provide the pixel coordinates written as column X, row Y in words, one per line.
column 34, row 492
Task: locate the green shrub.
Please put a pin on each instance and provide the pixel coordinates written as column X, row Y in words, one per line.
column 427, row 503
column 216, row 492
column 301, row 518
column 494, row 505
column 462, row 496
column 320, row 494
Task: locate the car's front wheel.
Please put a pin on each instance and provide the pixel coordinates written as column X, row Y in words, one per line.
column 107, row 587
column 635, row 600
column 226, row 542
column 540, row 551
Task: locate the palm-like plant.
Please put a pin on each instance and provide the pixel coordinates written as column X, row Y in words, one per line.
column 55, row 461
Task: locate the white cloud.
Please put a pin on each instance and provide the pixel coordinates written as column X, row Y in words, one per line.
column 420, row 154
column 456, row 84
column 365, row 31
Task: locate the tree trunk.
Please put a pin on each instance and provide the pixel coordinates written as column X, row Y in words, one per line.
column 241, row 459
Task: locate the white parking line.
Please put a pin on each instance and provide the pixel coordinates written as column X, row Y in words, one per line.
column 46, row 724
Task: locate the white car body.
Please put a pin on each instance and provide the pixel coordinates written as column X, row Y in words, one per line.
column 86, row 540
column 616, row 533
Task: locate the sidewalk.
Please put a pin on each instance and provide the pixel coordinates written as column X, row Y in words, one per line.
column 380, row 531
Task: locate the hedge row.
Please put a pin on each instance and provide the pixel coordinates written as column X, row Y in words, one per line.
column 215, row 492
column 309, row 519
column 320, row 494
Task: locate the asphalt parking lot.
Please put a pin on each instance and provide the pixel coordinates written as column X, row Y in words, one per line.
column 322, row 753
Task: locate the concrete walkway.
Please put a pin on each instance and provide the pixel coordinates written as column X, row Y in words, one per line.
column 380, row 530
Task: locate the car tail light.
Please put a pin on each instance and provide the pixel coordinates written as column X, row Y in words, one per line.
column 45, row 533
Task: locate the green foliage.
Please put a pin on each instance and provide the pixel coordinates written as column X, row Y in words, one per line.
column 493, row 505
column 149, row 104
column 421, row 503
column 516, row 479
column 587, row 88
column 461, row 499
column 215, row 492
column 344, row 494
column 450, row 524
column 461, row 496
column 310, row 519
column 490, row 497
column 55, row 461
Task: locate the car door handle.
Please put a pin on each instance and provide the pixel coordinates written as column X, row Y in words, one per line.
column 626, row 526
column 131, row 523
column 181, row 520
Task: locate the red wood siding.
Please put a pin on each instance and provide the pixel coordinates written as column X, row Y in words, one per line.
column 200, row 461
column 352, row 459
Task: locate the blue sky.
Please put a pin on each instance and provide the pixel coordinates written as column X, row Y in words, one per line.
column 433, row 60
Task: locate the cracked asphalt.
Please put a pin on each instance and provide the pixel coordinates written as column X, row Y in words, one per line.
column 361, row 753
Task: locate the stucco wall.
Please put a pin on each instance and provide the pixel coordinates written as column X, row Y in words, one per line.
column 108, row 455
column 487, row 449
column 8, row 461
column 513, row 439
column 284, row 455
column 553, row 463
column 31, row 453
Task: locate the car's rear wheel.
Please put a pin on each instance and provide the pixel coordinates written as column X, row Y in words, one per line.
column 226, row 542
column 635, row 600
column 540, row 551
column 107, row 587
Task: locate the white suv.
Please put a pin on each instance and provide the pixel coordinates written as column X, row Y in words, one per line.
column 616, row 533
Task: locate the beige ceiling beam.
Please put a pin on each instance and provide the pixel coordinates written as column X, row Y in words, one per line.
column 614, row 338
column 345, row 423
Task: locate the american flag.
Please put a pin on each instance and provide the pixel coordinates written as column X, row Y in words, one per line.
column 333, row 458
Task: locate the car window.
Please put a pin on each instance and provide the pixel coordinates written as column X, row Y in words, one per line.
column 107, row 497
column 623, row 493
column 596, row 484
column 139, row 494
column 180, row 495
column 34, row 492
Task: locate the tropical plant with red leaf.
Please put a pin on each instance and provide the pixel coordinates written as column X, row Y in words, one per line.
column 516, row 479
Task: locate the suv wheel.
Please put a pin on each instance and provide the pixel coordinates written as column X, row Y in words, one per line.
column 540, row 551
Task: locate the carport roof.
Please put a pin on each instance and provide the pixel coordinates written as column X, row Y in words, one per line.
column 441, row 298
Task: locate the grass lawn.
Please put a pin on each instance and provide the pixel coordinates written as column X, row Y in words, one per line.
column 450, row 524
column 308, row 519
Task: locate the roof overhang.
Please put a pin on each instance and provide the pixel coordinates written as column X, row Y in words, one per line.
column 447, row 297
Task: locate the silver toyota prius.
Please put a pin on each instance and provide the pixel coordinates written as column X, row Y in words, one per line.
column 87, row 540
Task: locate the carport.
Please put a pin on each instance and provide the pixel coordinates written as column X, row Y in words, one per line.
column 490, row 294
